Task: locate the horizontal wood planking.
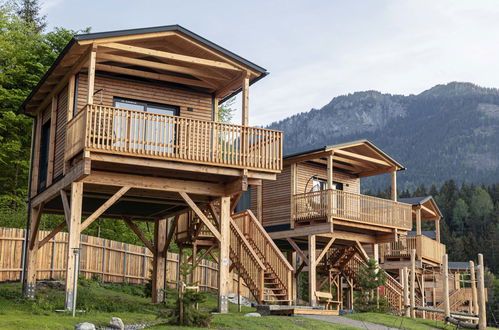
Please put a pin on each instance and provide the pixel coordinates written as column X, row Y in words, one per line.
column 276, row 199
column 99, row 257
column 201, row 104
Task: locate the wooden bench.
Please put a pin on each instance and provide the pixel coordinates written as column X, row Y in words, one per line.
column 326, row 299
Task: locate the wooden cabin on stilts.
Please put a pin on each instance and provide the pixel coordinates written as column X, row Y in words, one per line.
column 126, row 128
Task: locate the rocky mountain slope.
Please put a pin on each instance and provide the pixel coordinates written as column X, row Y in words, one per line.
column 447, row 132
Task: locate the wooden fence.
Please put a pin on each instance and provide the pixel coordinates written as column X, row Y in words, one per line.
column 106, row 260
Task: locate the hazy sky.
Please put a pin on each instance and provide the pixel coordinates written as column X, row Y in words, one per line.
column 316, row 50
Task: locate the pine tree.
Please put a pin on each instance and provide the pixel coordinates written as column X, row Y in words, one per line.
column 29, row 12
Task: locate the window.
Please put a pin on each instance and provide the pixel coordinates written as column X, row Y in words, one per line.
column 145, row 132
column 321, row 184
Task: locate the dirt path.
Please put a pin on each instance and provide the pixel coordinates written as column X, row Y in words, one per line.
column 349, row 322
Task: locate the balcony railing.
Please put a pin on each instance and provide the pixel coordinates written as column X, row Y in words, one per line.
column 150, row 135
column 338, row 204
column 425, row 247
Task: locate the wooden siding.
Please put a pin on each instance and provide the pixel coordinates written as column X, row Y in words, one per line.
column 305, row 171
column 60, row 137
column 201, row 104
column 276, row 200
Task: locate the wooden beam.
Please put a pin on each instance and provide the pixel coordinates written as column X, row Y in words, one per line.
column 155, row 183
column 159, row 261
column 418, row 221
column 413, row 283
column 113, row 199
column 173, row 165
column 312, row 275
column 324, row 251
column 361, row 251
column 201, row 215
column 170, row 56
column 237, row 186
column 224, row 280
column 134, row 37
column 76, row 173
column 171, row 232
column 358, row 156
column 482, row 308
column 52, row 234
column 154, row 76
column 394, row 185
column 139, row 234
column 36, row 217
column 300, row 252
column 157, row 65
column 91, row 77
column 245, row 101
column 65, row 205
column 73, row 243
column 62, row 82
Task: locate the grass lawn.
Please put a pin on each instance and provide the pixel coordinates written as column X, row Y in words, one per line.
column 401, row 322
column 103, row 301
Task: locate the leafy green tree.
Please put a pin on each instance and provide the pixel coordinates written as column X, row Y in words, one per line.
column 226, row 110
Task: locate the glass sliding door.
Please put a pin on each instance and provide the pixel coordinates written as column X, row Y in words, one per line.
column 144, row 128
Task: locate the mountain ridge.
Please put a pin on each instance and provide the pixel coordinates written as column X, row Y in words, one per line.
column 449, row 131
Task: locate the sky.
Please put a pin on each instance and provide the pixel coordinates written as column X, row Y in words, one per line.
column 316, row 50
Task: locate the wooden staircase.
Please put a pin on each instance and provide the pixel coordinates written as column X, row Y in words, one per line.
column 277, row 272
column 253, row 253
column 348, row 261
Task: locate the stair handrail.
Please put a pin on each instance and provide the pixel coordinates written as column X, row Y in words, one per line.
column 269, row 239
column 248, row 245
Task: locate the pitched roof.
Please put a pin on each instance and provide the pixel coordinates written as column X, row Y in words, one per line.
column 459, row 265
column 416, row 201
column 428, row 233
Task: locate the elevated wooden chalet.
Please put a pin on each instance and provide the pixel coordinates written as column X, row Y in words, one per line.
column 315, row 210
column 126, row 127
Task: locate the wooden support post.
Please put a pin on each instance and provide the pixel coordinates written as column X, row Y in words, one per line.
column 293, row 193
column 159, row 261
column 405, row 274
column 312, row 275
column 33, row 244
column 245, row 101
column 418, row 220
column 482, row 312
column 215, row 109
column 91, row 77
column 437, row 230
column 193, row 263
column 445, row 265
column 239, row 291
column 259, row 203
column 413, row 283
column 474, row 293
column 330, row 184
column 423, row 296
column 351, row 298
column 223, row 265
column 394, row 185
column 292, row 262
column 73, row 242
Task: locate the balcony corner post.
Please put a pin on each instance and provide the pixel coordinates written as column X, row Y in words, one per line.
column 330, row 185
column 91, row 74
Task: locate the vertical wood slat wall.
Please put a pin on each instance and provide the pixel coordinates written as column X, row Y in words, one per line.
column 109, row 261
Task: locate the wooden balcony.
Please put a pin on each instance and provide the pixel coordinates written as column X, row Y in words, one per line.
column 355, row 208
column 99, row 128
column 426, row 248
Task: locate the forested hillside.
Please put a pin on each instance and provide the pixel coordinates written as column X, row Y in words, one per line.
column 447, row 132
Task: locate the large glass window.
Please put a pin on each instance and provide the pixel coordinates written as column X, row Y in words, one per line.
column 145, row 131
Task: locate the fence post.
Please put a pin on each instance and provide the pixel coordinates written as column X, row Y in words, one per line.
column 446, row 286
column 52, row 260
column 482, row 312
column 413, row 283
column 103, row 260
column 144, row 259
column 124, row 263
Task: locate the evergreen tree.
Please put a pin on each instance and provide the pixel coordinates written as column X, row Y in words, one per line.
column 29, row 12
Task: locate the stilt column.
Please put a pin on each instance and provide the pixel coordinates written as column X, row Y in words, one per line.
column 312, row 275
column 73, row 243
column 159, row 261
column 223, row 265
column 31, row 269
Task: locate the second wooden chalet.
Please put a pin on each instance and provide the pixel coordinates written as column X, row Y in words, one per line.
column 315, row 210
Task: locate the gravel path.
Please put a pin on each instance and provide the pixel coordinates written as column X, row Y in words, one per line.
column 349, row 322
